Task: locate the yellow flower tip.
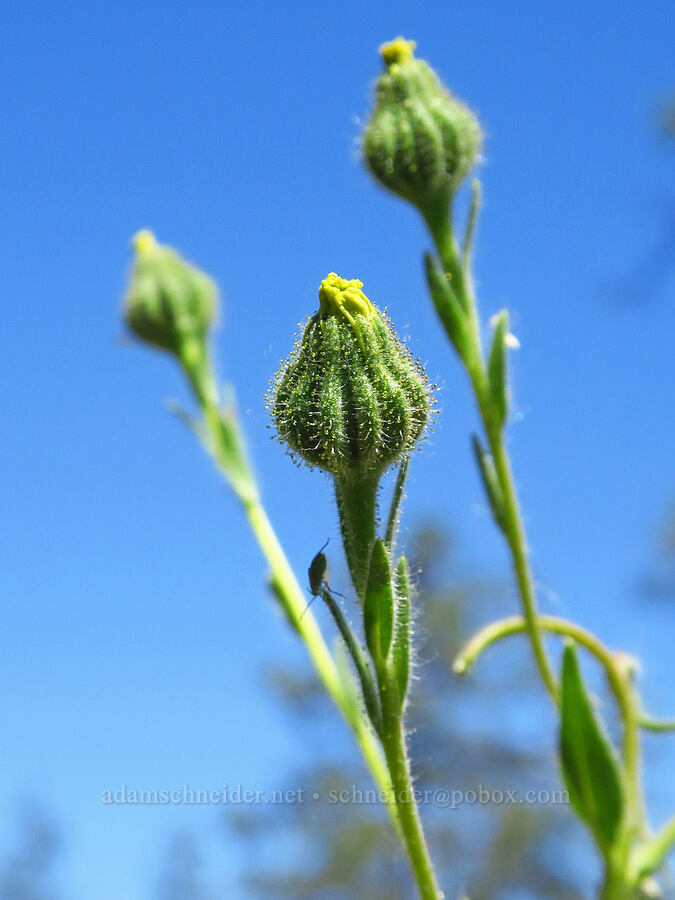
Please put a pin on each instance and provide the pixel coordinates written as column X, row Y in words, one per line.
column 397, row 51
column 144, row 242
column 342, row 296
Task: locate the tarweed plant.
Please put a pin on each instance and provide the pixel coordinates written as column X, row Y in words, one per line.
column 351, row 401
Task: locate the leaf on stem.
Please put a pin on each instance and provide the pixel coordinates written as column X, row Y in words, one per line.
column 654, row 852
column 448, row 306
column 279, row 594
column 488, row 475
column 378, row 607
column 590, row 768
column 470, row 231
column 178, row 410
column 395, row 508
column 350, row 690
column 497, row 368
column 401, row 645
column 358, row 658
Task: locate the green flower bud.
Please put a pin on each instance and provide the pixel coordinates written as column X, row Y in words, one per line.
column 350, row 398
column 169, row 303
column 421, row 142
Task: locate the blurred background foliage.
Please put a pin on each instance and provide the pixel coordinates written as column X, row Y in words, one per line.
column 466, row 740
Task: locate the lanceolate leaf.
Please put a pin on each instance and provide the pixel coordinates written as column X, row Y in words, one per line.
column 497, row 368
column 279, row 595
column 488, row 476
column 401, row 647
column 361, row 664
column 350, row 691
column 378, row 607
column 654, row 851
column 590, row 768
column 448, row 306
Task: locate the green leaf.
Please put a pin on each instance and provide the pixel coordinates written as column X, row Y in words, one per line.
column 488, row 475
column 651, row 855
column 350, row 690
column 449, row 308
column 378, row 607
column 361, row 664
column 590, row 768
column 467, row 244
column 396, row 498
column 279, row 594
column 497, row 368
column 401, row 647
column 195, row 426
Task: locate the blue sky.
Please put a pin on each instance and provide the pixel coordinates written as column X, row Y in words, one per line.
column 134, row 624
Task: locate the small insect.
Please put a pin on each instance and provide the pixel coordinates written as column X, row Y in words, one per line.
column 318, row 576
column 317, row 571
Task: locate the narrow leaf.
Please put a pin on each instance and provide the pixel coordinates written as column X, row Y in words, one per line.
column 401, row 647
column 395, row 508
column 279, row 594
column 652, row 855
column 497, row 368
column 378, row 607
column 449, row 308
column 361, row 665
column 488, row 475
column 467, row 245
column 590, row 769
column 350, row 690
column 179, row 411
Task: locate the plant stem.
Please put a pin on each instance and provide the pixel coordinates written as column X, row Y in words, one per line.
column 356, row 497
column 439, row 224
column 199, row 372
column 310, row 633
column 616, row 677
column 517, row 543
column 393, row 741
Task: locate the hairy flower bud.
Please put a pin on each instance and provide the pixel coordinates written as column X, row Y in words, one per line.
column 421, row 142
column 169, row 302
column 350, row 397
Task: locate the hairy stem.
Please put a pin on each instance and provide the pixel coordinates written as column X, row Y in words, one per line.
column 393, row 741
column 200, row 375
column 439, row 224
column 616, row 677
column 356, row 497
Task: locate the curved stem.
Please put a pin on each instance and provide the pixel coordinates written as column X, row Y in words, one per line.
column 617, row 677
column 647, row 723
column 517, row 625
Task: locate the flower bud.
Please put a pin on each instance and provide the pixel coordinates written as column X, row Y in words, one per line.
column 350, row 398
column 421, row 142
column 169, row 302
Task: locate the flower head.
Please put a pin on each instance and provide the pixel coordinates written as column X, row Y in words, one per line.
column 350, row 396
column 168, row 301
column 420, row 142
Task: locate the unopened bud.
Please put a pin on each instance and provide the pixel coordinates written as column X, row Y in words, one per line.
column 350, row 397
column 421, row 142
column 169, row 302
